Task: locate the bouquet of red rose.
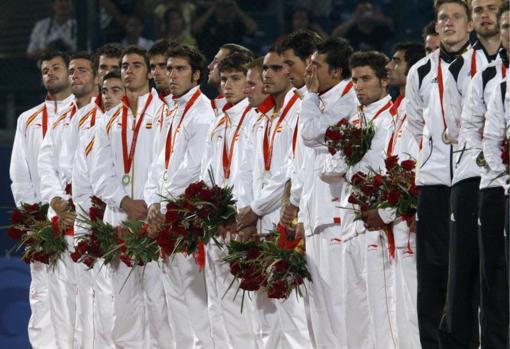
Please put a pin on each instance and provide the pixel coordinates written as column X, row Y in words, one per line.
column 276, row 265
column 45, row 242
column 99, row 241
column 399, row 188
column 286, row 267
column 366, row 192
column 192, row 219
column 135, row 247
column 24, row 218
column 351, row 141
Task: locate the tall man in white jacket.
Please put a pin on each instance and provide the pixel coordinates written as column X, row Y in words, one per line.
column 493, row 268
column 32, row 128
column 55, row 162
column 283, row 325
column 176, row 166
column 425, row 101
column 330, row 98
column 226, row 141
column 459, row 325
column 123, row 150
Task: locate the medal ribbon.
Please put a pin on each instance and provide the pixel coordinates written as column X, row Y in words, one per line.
column 128, row 158
column 170, row 139
column 268, row 145
column 44, row 120
column 229, row 154
column 441, row 90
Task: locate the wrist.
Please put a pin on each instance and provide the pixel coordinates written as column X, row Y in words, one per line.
column 124, row 201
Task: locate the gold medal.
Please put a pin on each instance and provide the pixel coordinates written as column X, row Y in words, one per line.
column 445, row 138
column 126, row 179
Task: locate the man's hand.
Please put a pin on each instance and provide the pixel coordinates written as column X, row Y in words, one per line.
column 311, row 79
column 288, row 215
column 246, row 217
column 300, row 231
column 155, row 219
column 247, row 234
column 135, row 209
column 61, row 208
column 372, row 220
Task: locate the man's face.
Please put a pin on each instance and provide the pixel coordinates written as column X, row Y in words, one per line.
column 82, row 78
column 325, row 75
column 134, row 71
column 453, row 25
column 106, row 65
column 54, row 75
column 275, row 75
column 432, row 43
column 369, row 88
column 484, row 15
column 397, row 68
column 214, row 73
column 296, row 68
column 504, row 30
column 254, row 88
column 112, row 92
column 158, row 70
column 181, row 76
column 232, row 85
column 62, row 7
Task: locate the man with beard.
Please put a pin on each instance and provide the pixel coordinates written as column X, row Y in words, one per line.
column 425, row 102
column 214, row 74
column 32, row 128
column 55, row 163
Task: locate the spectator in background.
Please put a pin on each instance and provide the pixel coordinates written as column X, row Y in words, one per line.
column 57, row 32
column 223, row 21
column 301, row 20
column 175, row 25
column 186, row 8
column 134, row 28
column 367, row 29
column 113, row 18
column 430, row 37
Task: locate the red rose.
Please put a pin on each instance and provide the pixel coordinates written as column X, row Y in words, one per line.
column 358, row 178
column 15, row 234
column 235, row 268
column 75, row 256
column 393, row 197
column 192, row 190
column 55, row 226
column 203, row 212
column 352, row 199
column 332, row 134
column 378, row 180
column 413, row 190
column 32, row 208
column 368, row 189
column 281, row 266
column 16, row 216
column 356, row 135
column 343, row 122
column 277, row 290
column 391, row 162
column 39, row 217
column 505, row 156
column 253, row 253
column 96, row 214
column 332, row 150
column 347, row 150
column 249, row 285
column 408, row 165
column 82, row 247
column 126, row 260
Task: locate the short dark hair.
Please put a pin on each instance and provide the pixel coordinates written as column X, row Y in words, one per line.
column 505, row 6
column 235, row 62
column 375, row 60
column 429, row 29
column 303, row 42
column 114, row 74
column 161, row 47
column 194, row 57
column 50, row 54
column 413, row 52
column 233, row 48
column 439, row 3
column 111, row 50
column 87, row 56
column 137, row 51
column 337, row 51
